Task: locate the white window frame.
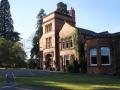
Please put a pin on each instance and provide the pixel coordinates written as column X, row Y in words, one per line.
column 66, row 57
column 91, row 56
column 108, row 56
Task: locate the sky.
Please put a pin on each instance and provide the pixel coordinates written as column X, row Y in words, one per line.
column 95, row 15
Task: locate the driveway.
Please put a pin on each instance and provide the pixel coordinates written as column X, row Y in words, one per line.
column 24, row 72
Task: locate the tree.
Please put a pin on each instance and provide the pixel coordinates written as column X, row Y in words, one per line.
column 62, row 9
column 31, row 64
column 11, row 54
column 38, row 34
column 18, row 54
column 6, row 22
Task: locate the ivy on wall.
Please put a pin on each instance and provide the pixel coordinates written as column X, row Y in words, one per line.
column 78, row 65
column 78, row 42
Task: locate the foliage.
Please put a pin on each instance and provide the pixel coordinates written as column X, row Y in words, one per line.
column 74, row 67
column 38, row 34
column 6, row 23
column 79, row 46
column 12, row 55
column 11, row 52
column 31, row 64
column 47, row 63
column 62, row 9
column 77, row 42
column 19, row 55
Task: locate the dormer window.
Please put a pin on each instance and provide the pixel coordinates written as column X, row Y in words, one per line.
column 48, row 28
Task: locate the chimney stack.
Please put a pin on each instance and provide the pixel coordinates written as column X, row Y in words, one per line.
column 72, row 13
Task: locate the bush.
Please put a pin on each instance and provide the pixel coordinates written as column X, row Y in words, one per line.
column 83, row 65
column 73, row 68
column 69, row 68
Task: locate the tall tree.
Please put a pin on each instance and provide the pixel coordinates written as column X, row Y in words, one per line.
column 6, row 22
column 11, row 52
column 38, row 34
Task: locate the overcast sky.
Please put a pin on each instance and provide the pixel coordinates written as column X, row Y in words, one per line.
column 96, row 15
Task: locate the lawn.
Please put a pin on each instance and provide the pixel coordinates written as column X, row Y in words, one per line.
column 1, row 80
column 73, row 81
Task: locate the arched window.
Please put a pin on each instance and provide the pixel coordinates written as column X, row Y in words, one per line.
column 105, row 56
column 93, row 57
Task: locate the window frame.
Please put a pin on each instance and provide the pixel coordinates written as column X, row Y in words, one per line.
column 67, row 59
column 66, row 43
column 63, row 45
column 91, row 64
column 49, row 42
column 106, row 55
column 48, row 28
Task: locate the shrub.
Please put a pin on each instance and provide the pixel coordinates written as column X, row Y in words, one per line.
column 74, row 67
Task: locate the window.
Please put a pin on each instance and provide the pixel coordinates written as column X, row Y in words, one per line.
column 93, row 56
column 71, row 44
column 48, row 28
column 67, row 59
column 49, row 42
column 105, row 55
column 66, row 43
column 63, row 44
column 46, row 42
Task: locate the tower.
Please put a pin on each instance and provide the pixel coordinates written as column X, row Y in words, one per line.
column 52, row 24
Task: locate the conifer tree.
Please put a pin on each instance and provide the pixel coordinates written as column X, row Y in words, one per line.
column 11, row 52
column 6, row 22
column 38, row 34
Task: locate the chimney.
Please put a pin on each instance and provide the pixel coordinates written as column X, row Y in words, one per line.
column 72, row 13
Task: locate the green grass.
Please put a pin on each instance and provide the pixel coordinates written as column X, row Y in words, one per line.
column 73, row 81
column 1, row 80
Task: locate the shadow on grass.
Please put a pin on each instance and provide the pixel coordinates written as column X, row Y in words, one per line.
column 73, row 81
column 107, row 89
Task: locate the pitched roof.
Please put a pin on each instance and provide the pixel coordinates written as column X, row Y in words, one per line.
column 117, row 34
column 87, row 32
column 101, row 34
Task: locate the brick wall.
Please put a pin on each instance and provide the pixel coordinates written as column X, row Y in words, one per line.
column 98, row 43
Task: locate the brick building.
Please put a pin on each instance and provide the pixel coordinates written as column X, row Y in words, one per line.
column 103, row 54
column 49, row 42
column 57, row 44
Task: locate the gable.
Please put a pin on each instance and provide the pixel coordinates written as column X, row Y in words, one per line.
column 67, row 30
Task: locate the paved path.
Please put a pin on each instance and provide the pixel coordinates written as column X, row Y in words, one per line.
column 10, row 84
column 24, row 72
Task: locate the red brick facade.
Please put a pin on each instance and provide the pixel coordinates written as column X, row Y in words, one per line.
column 99, row 68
